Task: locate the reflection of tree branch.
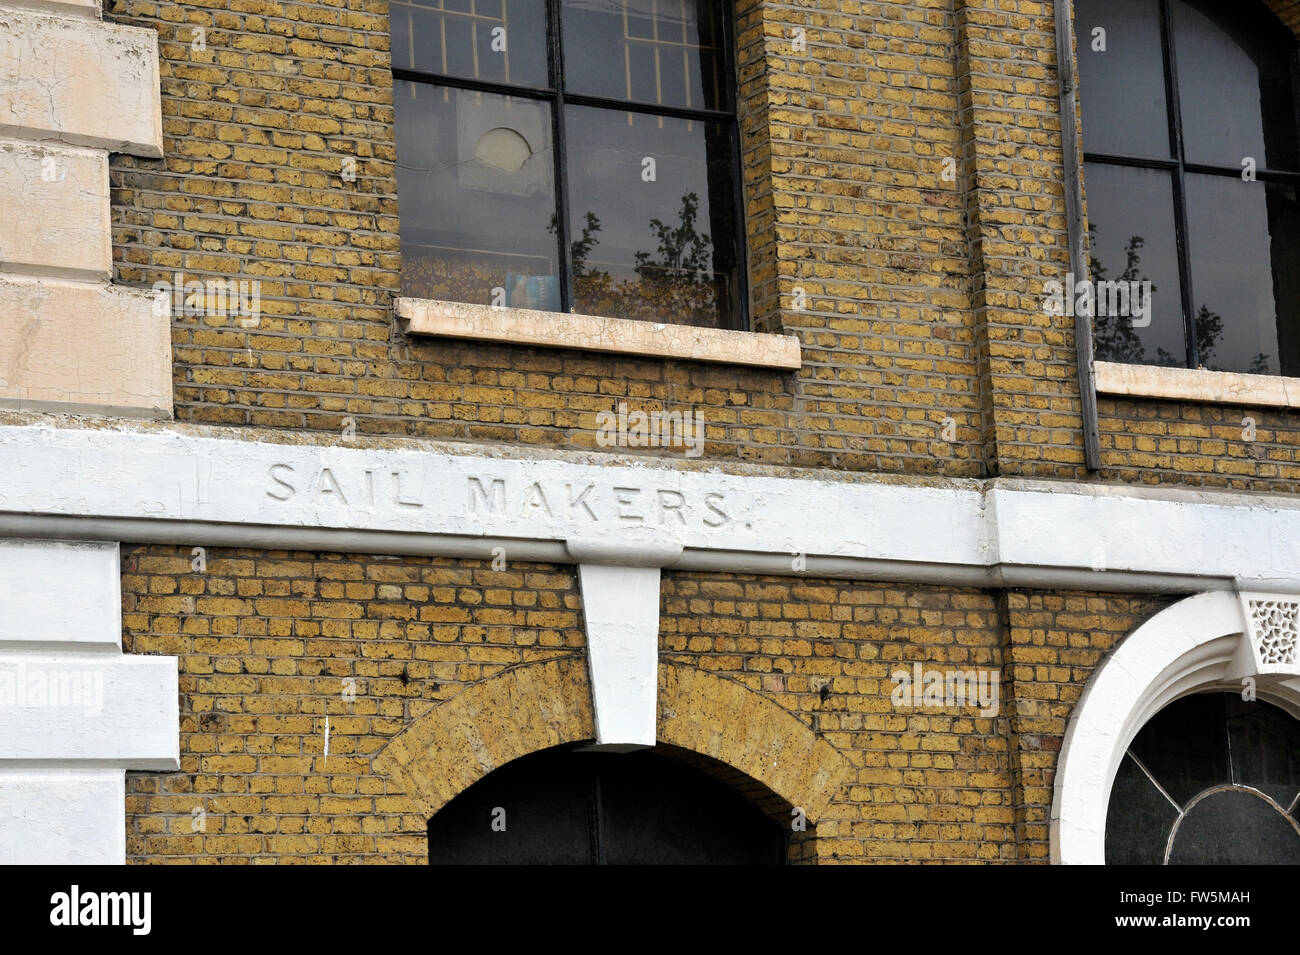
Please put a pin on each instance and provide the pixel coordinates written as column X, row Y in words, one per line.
column 1115, row 339
column 1113, row 335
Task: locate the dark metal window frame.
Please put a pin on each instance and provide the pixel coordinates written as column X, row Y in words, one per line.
column 1180, row 167
column 558, row 98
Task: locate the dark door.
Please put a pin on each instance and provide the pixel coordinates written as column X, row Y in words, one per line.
column 563, row 806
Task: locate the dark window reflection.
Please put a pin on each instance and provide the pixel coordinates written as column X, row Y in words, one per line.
column 475, row 175
column 650, row 228
column 1235, row 229
column 649, row 204
column 1214, row 221
column 1234, row 87
column 1137, row 834
column 1121, row 86
column 1131, row 233
column 1235, row 827
column 502, row 41
column 667, row 52
column 1211, row 779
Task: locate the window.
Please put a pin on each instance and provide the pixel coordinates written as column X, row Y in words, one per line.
column 561, row 807
column 1191, row 170
column 573, row 155
column 1210, row 779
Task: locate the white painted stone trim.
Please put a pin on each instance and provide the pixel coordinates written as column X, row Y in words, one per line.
column 1192, row 646
column 620, row 606
column 79, row 81
column 194, row 485
column 525, row 326
column 75, row 713
column 61, row 816
column 31, row 570
column 1197, row 384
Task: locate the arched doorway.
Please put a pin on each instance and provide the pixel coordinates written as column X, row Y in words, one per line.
column 570, row 805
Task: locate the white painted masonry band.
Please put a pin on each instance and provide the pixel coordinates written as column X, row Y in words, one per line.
column 95, row 348
column 29, row 619
column 94, row 708
column 523, row 326
column 621, row 609
column 1196, row 384
column 1189, row 647
column 201, row 485
column 79, row 81
column 54, row 204
column 59, row 816
column 74, row 712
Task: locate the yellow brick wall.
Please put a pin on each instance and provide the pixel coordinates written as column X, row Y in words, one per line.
column 903, row 171
column 267, row 640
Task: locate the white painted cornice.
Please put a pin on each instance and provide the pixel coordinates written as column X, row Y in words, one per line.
column 227, row 487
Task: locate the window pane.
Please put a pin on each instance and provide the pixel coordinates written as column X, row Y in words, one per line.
column 1242, row 244
column 502, row 41
column 1234, row 827
column 1234, row 88
column 653, row 51
column 1121, row 78
column 1131, row 234
column 1139, row 818
column 651, row 215
column 476, row 197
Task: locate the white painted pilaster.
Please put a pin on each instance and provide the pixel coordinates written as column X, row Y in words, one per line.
column 75, row 713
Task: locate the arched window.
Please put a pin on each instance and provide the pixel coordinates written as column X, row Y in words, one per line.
column 1191, row 170
column 562, row 806
column 1210, row 779
column 572, row 155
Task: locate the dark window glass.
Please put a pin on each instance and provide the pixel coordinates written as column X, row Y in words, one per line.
column 650, row 246
column 1235, row 827
column 1211, row 779
column 578, row 808
column 1138, row 835
column 1121, row 77
column 478, row 204
column 596, row 175
column 1214, row 222
column 503, row 41
column 1131, row 233
column 668, row 52
column 1233, row 228
column 1234, row 87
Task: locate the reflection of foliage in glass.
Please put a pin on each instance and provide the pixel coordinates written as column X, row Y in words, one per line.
column 1113, row 335
column 1115, row 339
column 674, row 284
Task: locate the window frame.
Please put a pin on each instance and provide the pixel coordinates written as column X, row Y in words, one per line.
column 558, row 98
column 1179, row 167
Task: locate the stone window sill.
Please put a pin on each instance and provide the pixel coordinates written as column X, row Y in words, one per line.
column 522, row 326
column 1192, row 384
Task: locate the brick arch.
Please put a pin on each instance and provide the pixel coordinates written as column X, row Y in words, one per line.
column 1288, row 11
column 540, row 705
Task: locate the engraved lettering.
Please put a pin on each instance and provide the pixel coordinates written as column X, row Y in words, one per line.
column 397, row 492
column 495, row 503
column 625, row 497
column 281, row 481
column 709, row 500
column 582, row 499
column 328, row 484
column 536, row 498
column 671, row 502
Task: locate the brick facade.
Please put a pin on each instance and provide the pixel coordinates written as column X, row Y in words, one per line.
column 922, row 314
column 266, row 641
